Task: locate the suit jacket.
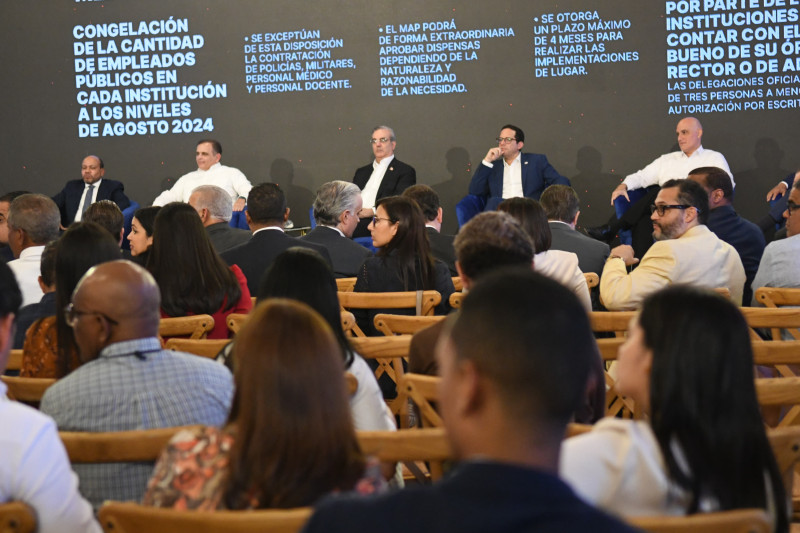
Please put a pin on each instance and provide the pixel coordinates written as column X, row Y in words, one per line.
column 592, row 254
column 478, row 496
column 346, row 255
column 697, row 257
column 256, row 255
column 70, row 196
column 442, row 248
column 537, row 175
column 398, row 177
column 224, row 237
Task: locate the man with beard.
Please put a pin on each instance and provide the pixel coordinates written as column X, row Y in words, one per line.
column 685, row 251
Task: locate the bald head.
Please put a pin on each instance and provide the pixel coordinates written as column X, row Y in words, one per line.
column 690, row 133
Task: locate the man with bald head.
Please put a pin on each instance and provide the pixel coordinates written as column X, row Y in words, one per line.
column 126, row 381
column 77, row 195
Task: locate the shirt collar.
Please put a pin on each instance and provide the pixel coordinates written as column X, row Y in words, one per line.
column 515, row 160
column 384, row 162
column 334, row 228
column 268, row 227
column 95, row 184
column 131, row 347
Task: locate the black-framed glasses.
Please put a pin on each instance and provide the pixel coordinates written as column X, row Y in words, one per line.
column 71, row 315
column 375, row 220
column 505, row 140
column 381, row 140
column 662, row 208
column 791, row 207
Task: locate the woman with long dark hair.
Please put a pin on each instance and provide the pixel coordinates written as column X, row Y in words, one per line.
column 140, row 237
column 192, row 277
column 289, row 439
column 688, row 362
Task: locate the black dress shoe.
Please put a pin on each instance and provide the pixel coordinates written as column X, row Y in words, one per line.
column 603, row 233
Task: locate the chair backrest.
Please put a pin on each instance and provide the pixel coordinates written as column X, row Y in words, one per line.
column 457, row 283
column 389, row 353
column 390, row 300
column 781, row 392
column 592, row 279
column 616, row 404
column 27, row 390
column 14, row 360
column 235, row 321
column 455, row 300
column 421, row 390
column 193, row 327
column 17, row 517
column 736, row 521
column 777, row 297
column 117, row 446
column 773, row 318
column 785, row 444
column 616, row 322
column 348, row 321
column 202, row 347
column 129, row 517
column 345, row 284
column 403, row 324
column 783, row 355
column 409, row 446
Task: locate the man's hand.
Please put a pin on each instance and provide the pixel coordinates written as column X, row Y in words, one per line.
column 239, row 204
column 624, row 252
column 778, row 190
column 621, row 190
column 366, row 212
column 493, row 154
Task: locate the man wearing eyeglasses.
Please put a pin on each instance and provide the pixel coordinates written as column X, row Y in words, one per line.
column 685, row 251
column 506, row 172
column 781, row 260
column 385, row 176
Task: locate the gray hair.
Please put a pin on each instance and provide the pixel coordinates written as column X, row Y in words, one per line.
column 37, row 215
column 391, row 131
column 333, row 199
column 216, row 200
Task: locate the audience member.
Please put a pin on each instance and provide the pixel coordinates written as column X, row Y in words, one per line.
column 34, row 467
column 441, row 245
column 6, row 254
column 47, row 305
column 77, row 195
column 33, row 221
column 191, row 276
column 336, row 210
column 141, row 236
column 131, row 383
column 556, row 264
column 688, row 363
column 266, row 214
column 514, row 363
column 49, row 350
column 386, row 176
column 746, row 237
column 209, row 172
column 215, row 208
column 685, row 252
column 516, row 175
column 289, row 438
column 108, row 216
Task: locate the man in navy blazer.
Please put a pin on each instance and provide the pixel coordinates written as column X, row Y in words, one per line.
column 72, row 198
column 516, row 174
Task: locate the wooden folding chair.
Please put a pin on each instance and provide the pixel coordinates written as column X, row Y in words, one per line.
column 403, row 324
column 26, row 390
column 193, row 327
column 409, row 446
column 235, row 321
column 781, row 392
column 616, row 404
column 421, row 390
column 615, row 322
column 348, row 322
column 592, row 279
column 143, row 445
column 129, row 517
column 390, row 300
column 14, row 360
column 203, row 347
column 455, row 300
column 389, row 353
column 17, row 517
column 736, row 521
column 773, row 318
column 458, row 284
column 777, row 297
column 345, row 284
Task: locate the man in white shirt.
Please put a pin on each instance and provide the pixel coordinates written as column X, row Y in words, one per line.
column 209, row 172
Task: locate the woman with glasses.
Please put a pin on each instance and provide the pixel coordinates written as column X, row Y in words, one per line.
column 688, row 363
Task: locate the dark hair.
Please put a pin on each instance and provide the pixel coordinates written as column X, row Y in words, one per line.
column 108, row 215
column 715, row 178
column 692, row 194
column 10, row 295
column 410, row 243
column 426, row 198
column 47, row 264
column 489, row 241
column 99, row 160
column 531, row 337
column 13, row 195
column 302, row 274
column 518, row 133
column 560, row 202
column 146, row 217
column 294, row 440
column 190, row 274
column 82, row 246
column 532, row 218
column 266, row 203
column 703, row 398
column 215, row 145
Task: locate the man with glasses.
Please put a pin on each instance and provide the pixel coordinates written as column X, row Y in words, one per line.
column 781, row 260
column 506, row 172
column 385, row 176
column 685, row 251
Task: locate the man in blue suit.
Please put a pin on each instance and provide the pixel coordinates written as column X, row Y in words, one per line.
column 516, row 175
column 78, row 195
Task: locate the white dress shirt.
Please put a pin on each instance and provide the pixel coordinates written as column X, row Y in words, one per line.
column 96, row 185
column 676, row 165
column 231, row 179
column 370, row 192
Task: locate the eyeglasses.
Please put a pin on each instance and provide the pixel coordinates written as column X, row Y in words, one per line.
column 505, row 140
column 71, row 315
column 383, row 140
column 791, row 207
column 663, row 208
column 376, row 219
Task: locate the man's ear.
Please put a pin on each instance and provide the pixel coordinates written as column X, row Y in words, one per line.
column 286, row 214
column 439, row 216
column 472, row 389
column 466, row 282
column 6, row 338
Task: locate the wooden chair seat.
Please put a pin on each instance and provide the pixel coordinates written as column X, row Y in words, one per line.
column 389, row 324
column 592, row 279
column 203, row 347
column 345, row 284
column 17, row 517
column 193, row 327
column 26, row 390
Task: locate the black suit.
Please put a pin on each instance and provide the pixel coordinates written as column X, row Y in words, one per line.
column 592, row 254
column 346, row 255
column 398, row 177
column 224, row 237
column 256, row 255
column 70, row 196
column 442, row 248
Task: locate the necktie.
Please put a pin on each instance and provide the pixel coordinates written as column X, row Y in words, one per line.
column 87, row 198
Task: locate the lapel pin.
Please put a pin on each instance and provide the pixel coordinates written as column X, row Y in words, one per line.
column 391, row 168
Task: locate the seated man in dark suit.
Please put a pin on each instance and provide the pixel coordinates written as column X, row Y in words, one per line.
column 386, row 176
column 266, row 214
column 215, row 207
column 77, row 195
column 506, row 172
column 515, row 363
column 441, row 245
column 336, row 210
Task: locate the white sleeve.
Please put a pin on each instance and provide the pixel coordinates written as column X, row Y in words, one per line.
column 581, row 289
column 646, row 176
column 240, row 183
column 370, row 412
column 175, row 194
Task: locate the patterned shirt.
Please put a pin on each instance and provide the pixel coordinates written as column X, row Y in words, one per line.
column 136, row 385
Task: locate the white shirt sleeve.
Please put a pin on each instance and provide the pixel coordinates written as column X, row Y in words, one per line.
column 370, row 412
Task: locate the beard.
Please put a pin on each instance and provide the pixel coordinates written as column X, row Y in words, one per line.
column 664, row 232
